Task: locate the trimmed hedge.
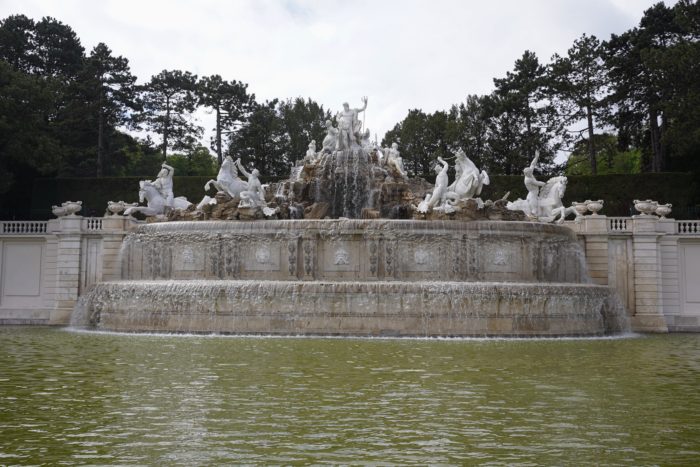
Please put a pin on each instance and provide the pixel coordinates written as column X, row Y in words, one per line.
column 618, row 191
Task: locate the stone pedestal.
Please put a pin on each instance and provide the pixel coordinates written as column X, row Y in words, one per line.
column 649, row 316
column 67, row 268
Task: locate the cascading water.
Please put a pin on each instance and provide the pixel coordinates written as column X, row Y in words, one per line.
column 353, row 277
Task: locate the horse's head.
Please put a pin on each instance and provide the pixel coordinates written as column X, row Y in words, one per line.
column 145, row 187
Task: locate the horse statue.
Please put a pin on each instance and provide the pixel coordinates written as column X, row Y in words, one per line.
column 549, row 205
column 155, row 201
column 469, row 181
column 227, row 180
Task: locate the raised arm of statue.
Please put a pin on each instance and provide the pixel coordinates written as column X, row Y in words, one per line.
column 533, row 165
column 364, row 100
column 241, row 168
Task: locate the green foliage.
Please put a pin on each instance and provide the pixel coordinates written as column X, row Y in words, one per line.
column 230, row 102
column 276, row 134
column 169, row 99
column 577, row 83
column 198, row 162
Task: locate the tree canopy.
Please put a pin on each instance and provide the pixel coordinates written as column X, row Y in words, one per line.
column 624, row 104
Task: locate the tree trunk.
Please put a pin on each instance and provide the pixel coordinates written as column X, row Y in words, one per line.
column 655, row 134
column 100, row 138
column 219, row 155
column 166, row 127
column 591, row 146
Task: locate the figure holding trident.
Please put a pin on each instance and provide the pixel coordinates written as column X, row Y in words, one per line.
column 349, row 125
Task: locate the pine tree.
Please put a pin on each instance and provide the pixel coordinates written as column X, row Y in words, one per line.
column 169, row 100
column 230, row 102
column 578, row 85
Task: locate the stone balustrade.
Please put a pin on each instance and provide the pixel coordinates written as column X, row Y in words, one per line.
column 653, row 264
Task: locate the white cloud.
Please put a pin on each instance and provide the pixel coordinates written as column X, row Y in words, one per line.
column 402, row 54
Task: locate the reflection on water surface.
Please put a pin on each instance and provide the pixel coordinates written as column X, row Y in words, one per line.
column 82, row 398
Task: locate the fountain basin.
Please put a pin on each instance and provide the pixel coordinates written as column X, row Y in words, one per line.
column 355, row 250
column 394, row 308
column 353, row 277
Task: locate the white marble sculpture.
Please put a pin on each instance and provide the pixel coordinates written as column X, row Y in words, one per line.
column 543, row 201
column 394, row 160
column 156, row 204
column 67, row 208
column 310, row 157
column 349, row 126
column 227, row 180
column 164, row 184
column 533, row 188
column 438, row 196
column 468, row 182
column 331, row 139
column 254, row 196
column 115, row 208
column 549, row 205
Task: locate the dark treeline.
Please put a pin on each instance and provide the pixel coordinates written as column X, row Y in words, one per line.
column 627, row 104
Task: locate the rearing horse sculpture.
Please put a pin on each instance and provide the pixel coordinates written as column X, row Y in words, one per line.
column 227, row 179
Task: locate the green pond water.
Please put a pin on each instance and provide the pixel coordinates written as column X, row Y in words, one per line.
column 87, row 398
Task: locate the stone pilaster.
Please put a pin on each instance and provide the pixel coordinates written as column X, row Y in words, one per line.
column 596, row 230
column 649, row 316
column 67, row 269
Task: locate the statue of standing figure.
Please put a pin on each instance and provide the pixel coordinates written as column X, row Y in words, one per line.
column 533, row 188
column 349, row 126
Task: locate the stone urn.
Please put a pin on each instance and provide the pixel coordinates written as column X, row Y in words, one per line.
column 580, row 208
column 115, row 207
column 72, row 207
column 663, row 210
column 646, row 207
column 594, row 206
column 58, row 211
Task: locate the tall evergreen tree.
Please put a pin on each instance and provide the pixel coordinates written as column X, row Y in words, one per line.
column 522, row 117
column 169, row 100
column 231, row 104
column 110, row 90
column 578, row 83
column 261, row 141
column 303, row 120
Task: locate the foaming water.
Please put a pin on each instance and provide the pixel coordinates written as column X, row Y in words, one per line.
column 105, row 398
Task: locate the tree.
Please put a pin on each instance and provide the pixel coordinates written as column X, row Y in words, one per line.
column 636, row 65
column 522, row 119
column 421, row 138
column 303, row 121
column 199, row 162
column 610, row 160
column 230, row 102
column 169, row 99
column 110, row 93
column 578, row 83
column 261, row 141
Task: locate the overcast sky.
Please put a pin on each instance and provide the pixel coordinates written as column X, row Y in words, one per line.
column 401, row 54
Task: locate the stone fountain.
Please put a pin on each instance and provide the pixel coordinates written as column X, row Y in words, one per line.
column 350, row 246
